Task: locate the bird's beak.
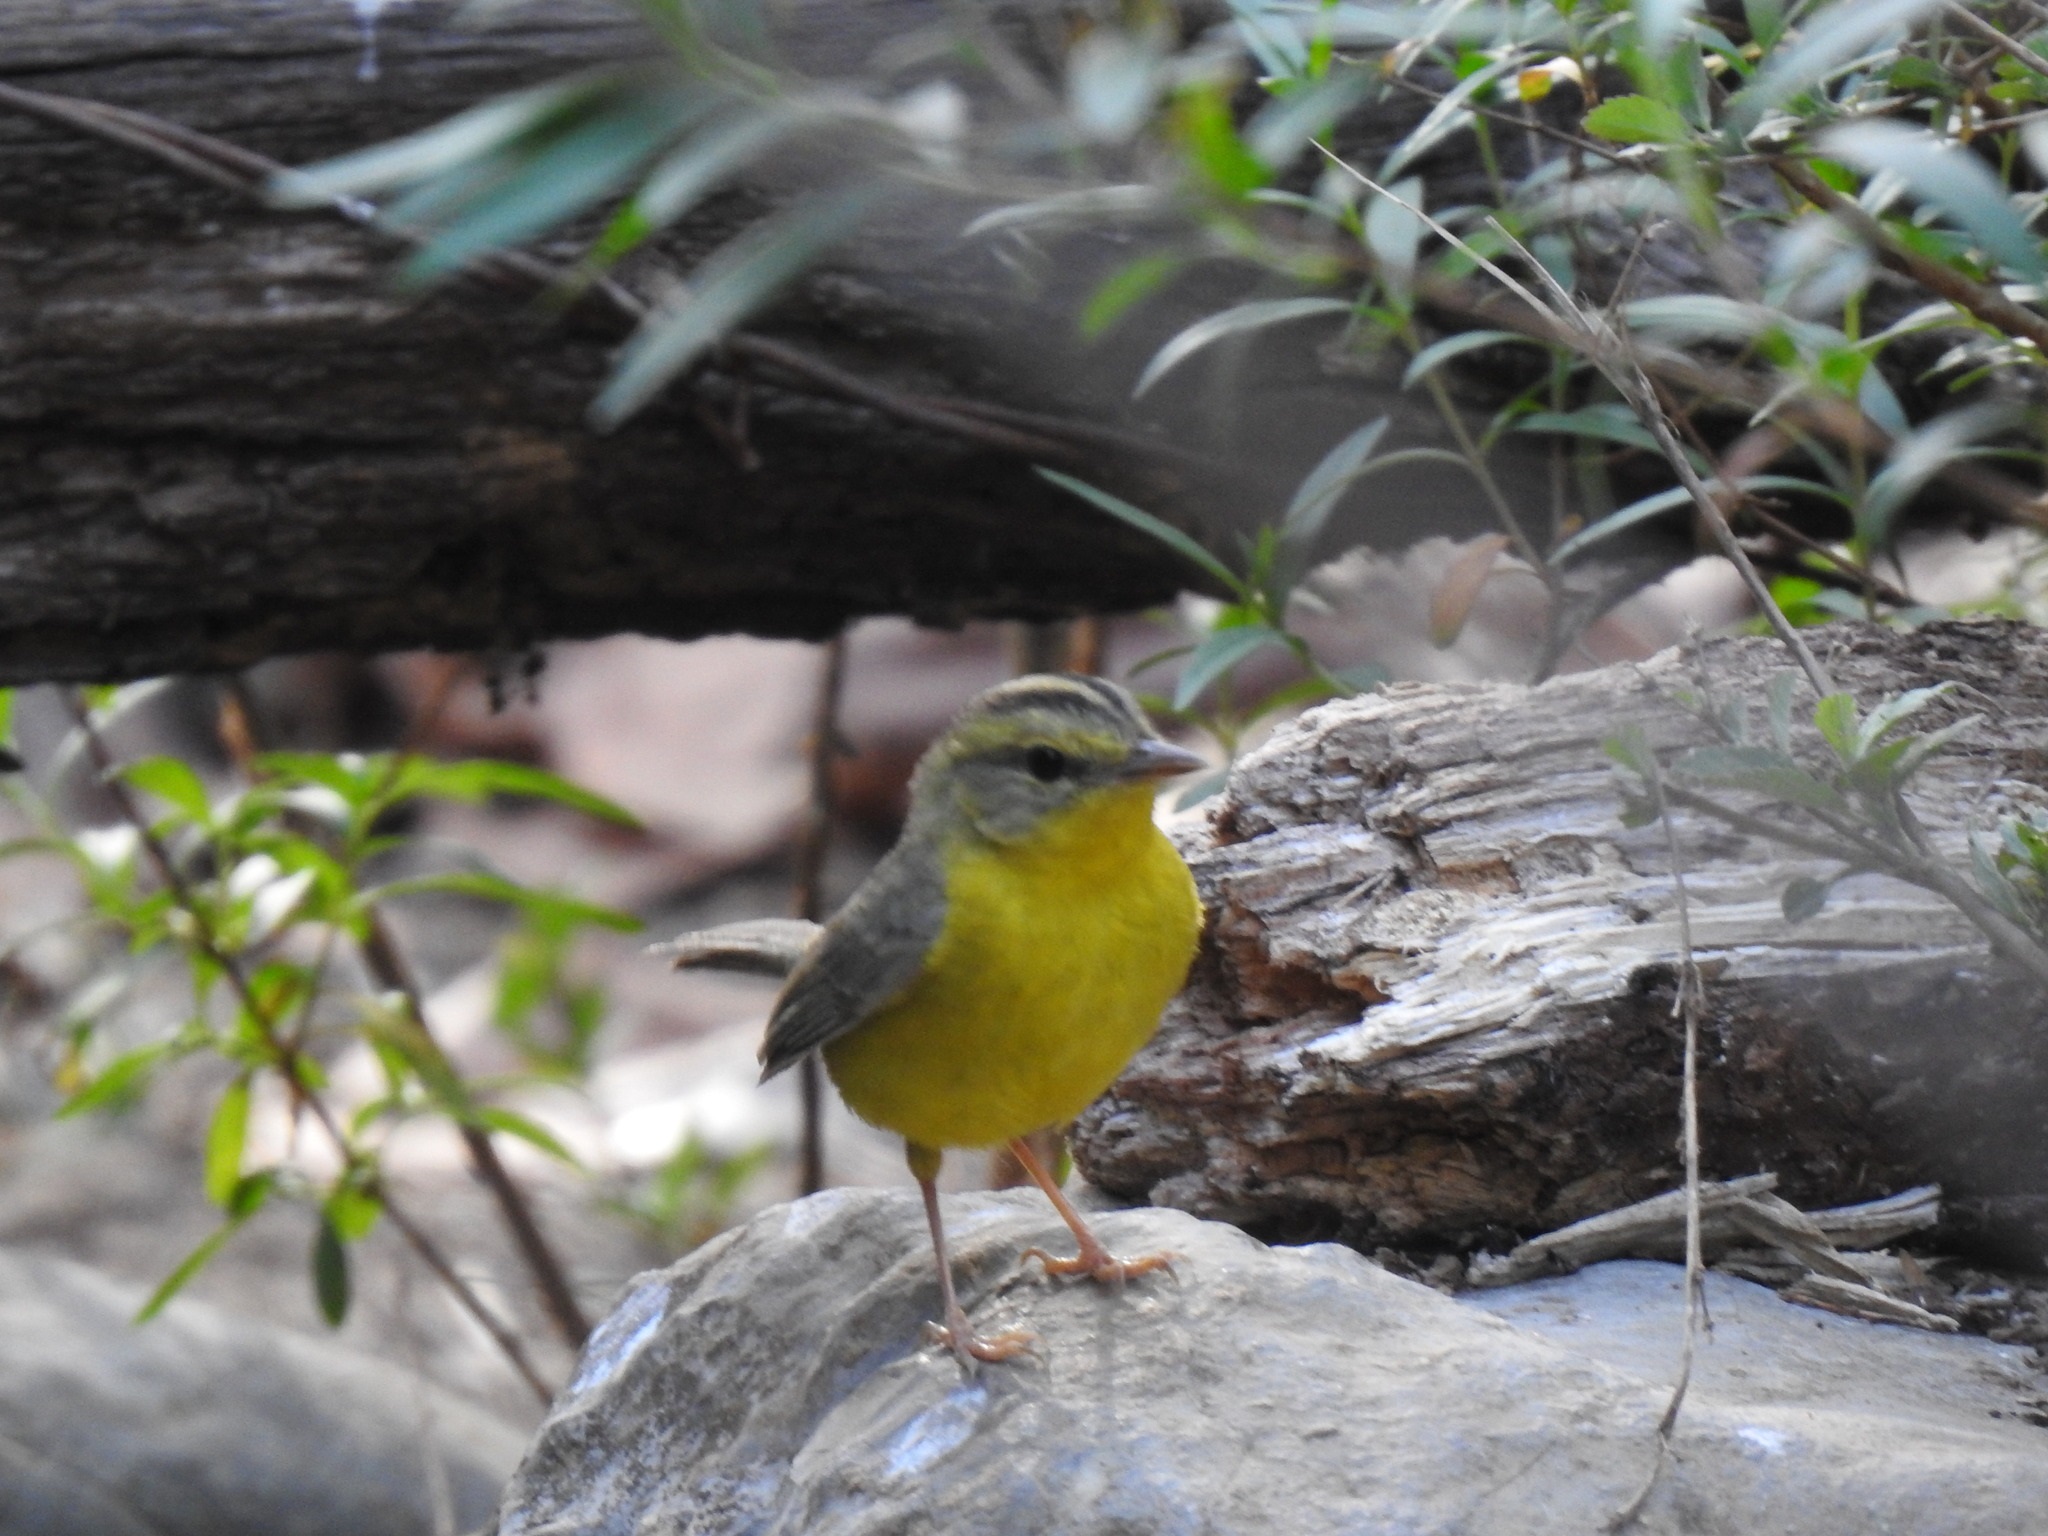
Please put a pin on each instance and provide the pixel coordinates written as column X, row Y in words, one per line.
column 1155, row 759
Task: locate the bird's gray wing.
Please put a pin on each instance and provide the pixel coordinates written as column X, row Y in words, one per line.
column 871, row 950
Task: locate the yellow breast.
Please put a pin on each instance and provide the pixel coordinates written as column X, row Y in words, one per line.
column 1053, row 963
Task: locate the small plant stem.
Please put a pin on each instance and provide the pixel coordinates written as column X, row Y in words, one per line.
column 285, row 1053
column 808, row 897
column 1503, row 510
column 388, row 967
column 1685, row 1007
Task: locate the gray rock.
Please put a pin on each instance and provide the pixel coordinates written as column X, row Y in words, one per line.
column 775, row 1381
column 203, row 1423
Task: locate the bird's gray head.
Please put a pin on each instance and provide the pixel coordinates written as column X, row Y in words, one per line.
column 1036, row 745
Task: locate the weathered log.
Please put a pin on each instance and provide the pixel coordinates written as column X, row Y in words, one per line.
column 223, row 435
column 1435, row 1006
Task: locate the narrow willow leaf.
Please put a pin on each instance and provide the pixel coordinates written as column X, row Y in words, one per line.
column 529, row 1131
column 330, row 1273
column 1947, row 177
column 543, row 186
column 1664, row 501
column 723, row 293
column 123, row 1076
column 466, row 137
column 172, row 782
column 1661, row 22
column 1088, row 206
column 225, row 1138
column 1217, row 655
column 189, row 1266
column 1254, row 316
column 1893, row 711
column 1780, row 696
column 472, row 780
column 1447, row 117
column 1324, row 486
column 1921, row 455
column 485, row 886
column 1437, row 353
column 1835, row 717
column 1145, row 522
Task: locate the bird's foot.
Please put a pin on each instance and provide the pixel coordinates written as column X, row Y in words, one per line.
column 969, row 1347
column 1100, row 1265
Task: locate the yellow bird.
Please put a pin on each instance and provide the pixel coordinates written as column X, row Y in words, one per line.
column 1010, row 954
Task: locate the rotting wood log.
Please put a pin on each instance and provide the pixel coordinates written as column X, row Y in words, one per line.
column 1435, row 1003
column 223, row 436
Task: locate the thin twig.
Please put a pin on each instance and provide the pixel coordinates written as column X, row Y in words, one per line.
column 285, row 1053
column 1986, row 302
column 388, row 968
column 808, row 898
column 1531, row 123
column 2019, row 53
column 1686, row 1007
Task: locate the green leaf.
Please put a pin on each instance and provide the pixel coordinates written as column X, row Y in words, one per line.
column 464, row 138
column 1923, row 748
column 1437, row 353
column 1637, row 120
column 330, row 1273
column 1207, row 129
column 1610, row 422
column 473, row 780
column 225, row 1138
column 1630, row 748
column 123, row 1077
column 173, row 783
column 1923, row 454
column 189, row 1266
column 1393, row 233
column 1780, row 696
column 1231, row 322
column 1663, row 501
column 529, row 1131
column 536, row 187
column 1217, row 654
column 1445, row 118
column 1804, row 897
column 485, row 886
column 352, row 1210
column 1760, row 771
column 1895, row 710
column 723, row 293
column 1947, row 177
column 1835, row 716
column 1085, row 208
column 1145, row 522
column 1126, row 286
column 1324, row 486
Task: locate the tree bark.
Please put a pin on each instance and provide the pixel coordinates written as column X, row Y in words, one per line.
column 223, row 435
column 1435, row 1005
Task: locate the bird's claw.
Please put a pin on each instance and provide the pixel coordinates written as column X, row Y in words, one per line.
column 968, row 1346
column 1100, row 1265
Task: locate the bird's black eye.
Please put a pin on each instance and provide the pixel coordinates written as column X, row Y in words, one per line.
column 1045, row 763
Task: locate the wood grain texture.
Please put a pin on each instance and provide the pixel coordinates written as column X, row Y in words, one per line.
column 223, row 435
column 1435, row 1004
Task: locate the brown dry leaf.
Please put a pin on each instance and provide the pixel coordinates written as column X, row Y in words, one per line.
column 1459, row 590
